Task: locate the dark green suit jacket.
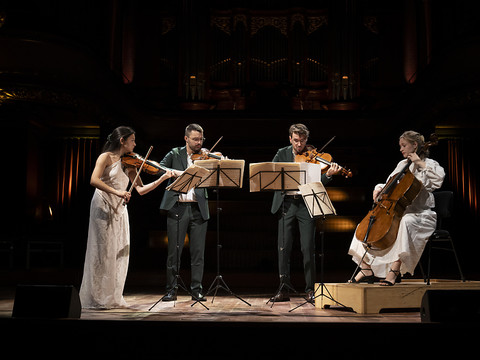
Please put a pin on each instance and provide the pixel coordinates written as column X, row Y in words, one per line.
column 177, row 159
column 286, row 155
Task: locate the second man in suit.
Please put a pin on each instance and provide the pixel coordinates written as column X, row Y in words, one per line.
column 292, row 211
column 186, row 213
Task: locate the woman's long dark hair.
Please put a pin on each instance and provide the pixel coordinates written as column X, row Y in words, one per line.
column 113, row 140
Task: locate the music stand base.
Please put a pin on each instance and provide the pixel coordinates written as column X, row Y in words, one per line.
column 279, row 290
column 178, row 280
column 329, row 296
column 219, row 283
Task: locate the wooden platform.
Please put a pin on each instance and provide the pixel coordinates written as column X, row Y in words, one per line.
column 373, row 298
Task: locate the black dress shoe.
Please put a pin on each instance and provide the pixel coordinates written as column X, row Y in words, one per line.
column 170, row 296
column 280, row 297
column 310, row 297
column 198, row 296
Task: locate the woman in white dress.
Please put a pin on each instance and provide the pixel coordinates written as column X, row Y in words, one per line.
column 416, row 226
column 107, row 254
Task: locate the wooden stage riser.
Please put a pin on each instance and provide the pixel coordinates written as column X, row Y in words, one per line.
column 373, row 298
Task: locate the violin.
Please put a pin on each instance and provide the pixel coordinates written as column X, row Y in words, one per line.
column 205, row 154
column 149, row 166
column 311, row 155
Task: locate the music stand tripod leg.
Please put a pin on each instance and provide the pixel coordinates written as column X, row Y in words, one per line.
column 280, row 288
column 321, row 255
column 322, row 283
column 219, row 283
column 219, row 279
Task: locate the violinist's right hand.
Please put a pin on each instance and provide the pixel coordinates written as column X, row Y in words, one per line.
column 125, row 195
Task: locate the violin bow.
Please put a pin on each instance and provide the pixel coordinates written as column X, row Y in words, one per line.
column 329, row 141
column 138, row 172
column 140, row 169
column 221, row 137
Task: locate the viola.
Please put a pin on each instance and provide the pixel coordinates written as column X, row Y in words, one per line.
column 149, row 166
column 311, row 155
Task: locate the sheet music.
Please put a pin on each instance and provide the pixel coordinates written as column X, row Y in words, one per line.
column 231, row 172
column 189, row 179
column 265, row 176
column 314, row 172
column 316, row 199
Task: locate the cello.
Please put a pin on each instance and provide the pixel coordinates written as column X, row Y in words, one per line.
column 378, row 229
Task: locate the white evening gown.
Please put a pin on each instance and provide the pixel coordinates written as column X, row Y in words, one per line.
column 416, row 226
column 107, row 254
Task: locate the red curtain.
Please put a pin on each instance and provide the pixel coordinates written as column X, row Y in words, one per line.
column 463, row 175
column 75, row 163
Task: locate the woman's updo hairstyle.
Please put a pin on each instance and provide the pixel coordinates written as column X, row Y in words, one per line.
column 113, row 140
column 415, row 137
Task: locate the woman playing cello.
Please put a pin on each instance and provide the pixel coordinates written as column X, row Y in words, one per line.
column 416, row 225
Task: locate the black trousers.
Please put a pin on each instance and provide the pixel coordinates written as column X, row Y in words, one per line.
column 292, row 215
column 185, row 218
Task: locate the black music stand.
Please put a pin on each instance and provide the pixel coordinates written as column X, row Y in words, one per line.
column 188, row 180
column 280, row 180
column 223, row 174
column 319, row 206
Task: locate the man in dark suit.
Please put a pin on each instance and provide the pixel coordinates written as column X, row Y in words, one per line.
column 186, row 213
column 291, row 210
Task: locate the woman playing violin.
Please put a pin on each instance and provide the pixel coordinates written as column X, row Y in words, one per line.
column 416, row 225
column 107, row 253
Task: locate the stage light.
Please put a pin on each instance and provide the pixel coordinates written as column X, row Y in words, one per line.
column 337, row 195
column 340, row 224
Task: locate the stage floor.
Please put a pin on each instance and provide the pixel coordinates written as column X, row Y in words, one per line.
column 226, row 328
column 144, row 305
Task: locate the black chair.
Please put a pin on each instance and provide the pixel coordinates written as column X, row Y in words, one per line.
column 441, row 238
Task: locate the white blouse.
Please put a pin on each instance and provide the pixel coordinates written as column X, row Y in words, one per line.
column 431, row 177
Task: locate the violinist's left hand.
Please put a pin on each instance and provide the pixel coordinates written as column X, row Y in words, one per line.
column 334, row 169
column 168, row 174
column 177, row 173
